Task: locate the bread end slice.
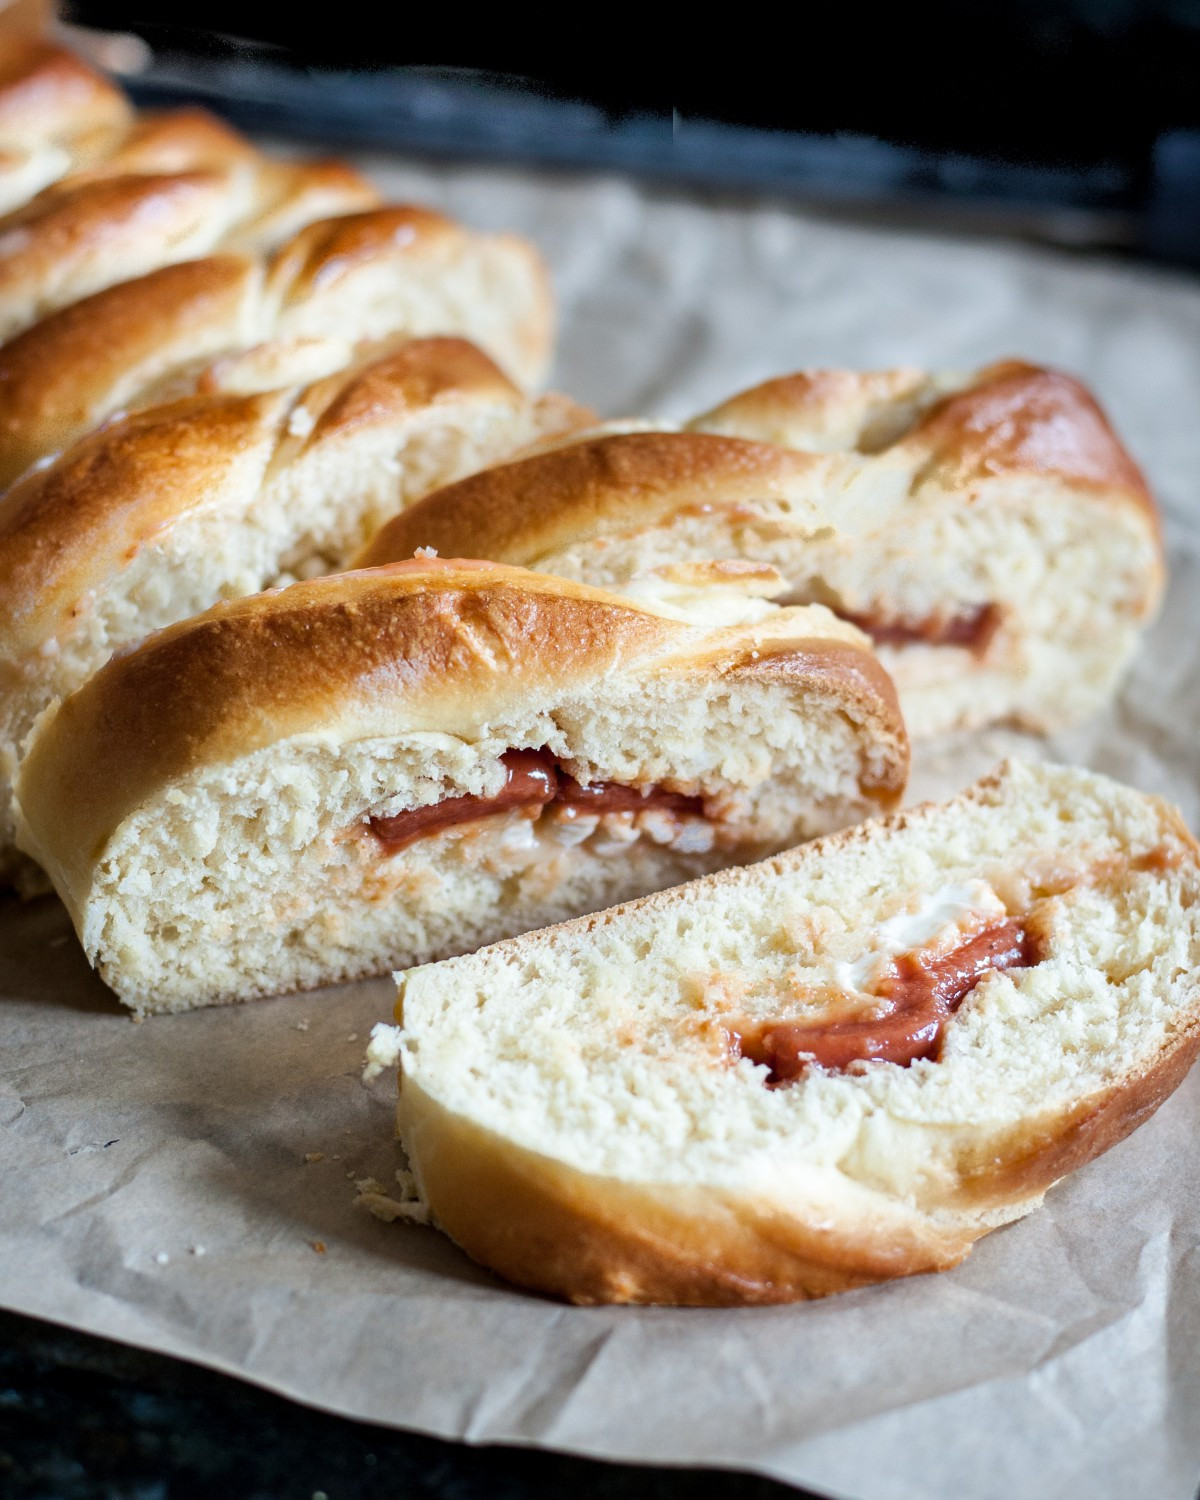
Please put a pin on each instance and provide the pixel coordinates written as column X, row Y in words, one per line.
column 578, row 1119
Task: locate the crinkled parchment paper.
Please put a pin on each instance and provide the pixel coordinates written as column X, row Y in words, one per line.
column 157, row 1180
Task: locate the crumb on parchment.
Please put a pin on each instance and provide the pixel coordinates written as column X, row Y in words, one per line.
column 383, row 1050
column 405, row 1203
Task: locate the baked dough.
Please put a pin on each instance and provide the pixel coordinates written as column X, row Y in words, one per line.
column 397, row 270
column 214, row 806
column 580, row 1116
column 160, row 514
column 990, row 532
column 56, row 115
column 179, row 186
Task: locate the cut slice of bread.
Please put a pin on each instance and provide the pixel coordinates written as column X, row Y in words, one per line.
column 163, row 513
column 992, row 534
column 625, row 1109
column 242, row 804
column 397, row 270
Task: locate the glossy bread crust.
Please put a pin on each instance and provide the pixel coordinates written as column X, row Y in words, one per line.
column 419, row 645
column 63, row 375
column 70, row 527
column 1013, row 420
column 49, row 94
column 517, row 512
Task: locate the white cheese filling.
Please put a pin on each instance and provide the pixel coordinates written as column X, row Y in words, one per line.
column 713, row 607
column 935, row 922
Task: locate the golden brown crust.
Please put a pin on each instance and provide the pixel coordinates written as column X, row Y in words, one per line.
column 47, row 93
column 423, row 644
column 101, row 231
column 1014, row 420
column 1020, row 419
column 548, row 1227
column 293, row 194
column 59, row 377
column 324, row 252
column 172, row 185
column 166, row 141
column 519, row 511
column 67, row 529
column 814, row 407
column 419, row 376
column 177, row 186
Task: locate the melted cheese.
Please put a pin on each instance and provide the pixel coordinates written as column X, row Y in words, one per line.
column 935, row 922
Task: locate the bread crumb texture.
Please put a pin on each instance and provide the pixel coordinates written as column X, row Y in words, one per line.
column 586, row 1070
column 224, row 871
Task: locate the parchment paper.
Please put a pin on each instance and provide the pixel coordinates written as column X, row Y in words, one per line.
column 1062, row 1359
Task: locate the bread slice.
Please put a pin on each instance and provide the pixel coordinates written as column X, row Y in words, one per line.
column 161, row 514
column 990, row 533
column 622, row 1108
column 244, row 804
column 399, row 270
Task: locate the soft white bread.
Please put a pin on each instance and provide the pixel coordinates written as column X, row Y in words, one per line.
column 991, row 534
column 228, row 810
column 583, row 1113
column 398, row 270
column 161, row 514
column 179, row 186
column 56, row 115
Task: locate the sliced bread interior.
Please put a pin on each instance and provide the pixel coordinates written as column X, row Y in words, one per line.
column 838, row 1066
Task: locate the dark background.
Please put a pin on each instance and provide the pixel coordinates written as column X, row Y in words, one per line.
column 1070, row 120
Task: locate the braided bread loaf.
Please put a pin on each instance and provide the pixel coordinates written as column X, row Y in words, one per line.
column 92, row 194
column 162, row 513
column 991, row 533
column 134, row 249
